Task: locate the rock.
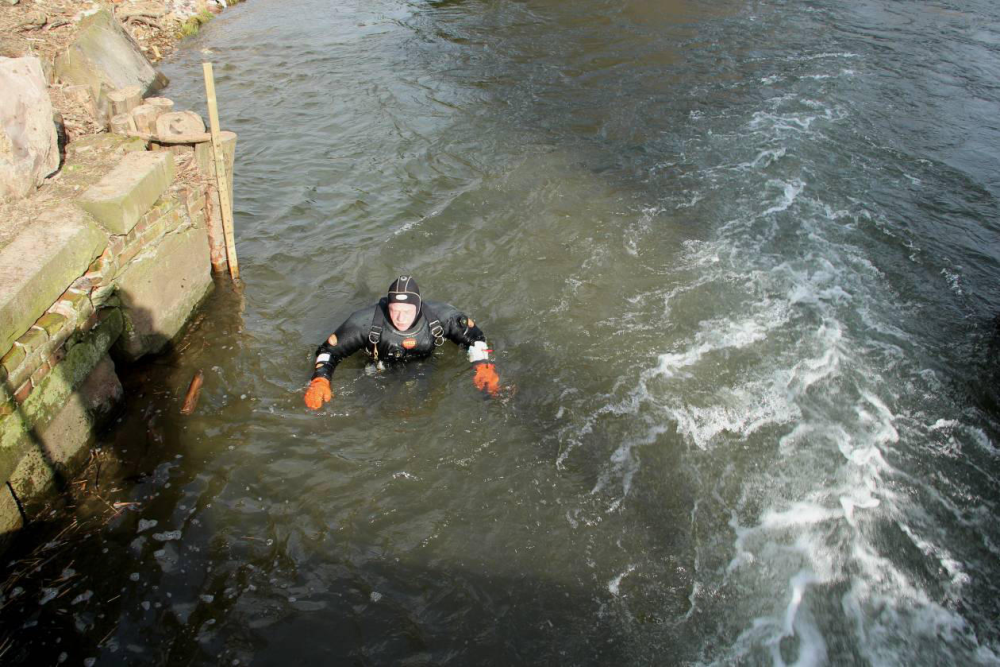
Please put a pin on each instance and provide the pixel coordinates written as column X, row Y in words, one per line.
column 35, row 20
column 159, row 293
column 29, row 148
column 11, row 2
column 106, row 58
column 152, row 10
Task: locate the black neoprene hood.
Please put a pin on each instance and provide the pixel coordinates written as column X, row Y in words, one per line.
column 404, row 290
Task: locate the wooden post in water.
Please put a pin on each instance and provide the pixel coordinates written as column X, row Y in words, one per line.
column 220, row 173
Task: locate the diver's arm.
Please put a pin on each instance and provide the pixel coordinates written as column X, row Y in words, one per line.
column 464, row 332
column 345, row 341
column 458, row 328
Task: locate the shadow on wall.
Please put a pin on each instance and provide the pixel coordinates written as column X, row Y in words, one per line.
column 56, row 424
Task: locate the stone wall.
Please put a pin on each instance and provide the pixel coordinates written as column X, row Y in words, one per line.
column 115, row 273
column 105, row 253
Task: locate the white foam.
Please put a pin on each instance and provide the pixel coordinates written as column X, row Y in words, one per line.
column 615, row 583
column 790, row 191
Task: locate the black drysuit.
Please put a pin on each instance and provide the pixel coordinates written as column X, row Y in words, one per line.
column 371, row 329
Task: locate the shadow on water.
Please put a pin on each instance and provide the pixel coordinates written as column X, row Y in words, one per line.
column 381, row 612
column 96, row 576
column 69, row 488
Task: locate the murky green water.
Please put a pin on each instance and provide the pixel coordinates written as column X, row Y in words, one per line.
column 739, row 261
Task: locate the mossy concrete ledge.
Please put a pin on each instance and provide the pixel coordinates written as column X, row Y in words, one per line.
column 38, row 265
column 124, row 195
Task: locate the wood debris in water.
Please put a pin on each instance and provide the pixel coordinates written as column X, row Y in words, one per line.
column 193, row 392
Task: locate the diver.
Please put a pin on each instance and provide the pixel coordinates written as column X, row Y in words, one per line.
column 401, row 327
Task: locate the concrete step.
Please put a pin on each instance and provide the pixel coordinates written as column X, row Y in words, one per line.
column 40, row 263
column 124, row 195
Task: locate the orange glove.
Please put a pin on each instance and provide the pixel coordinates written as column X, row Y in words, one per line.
column 318, row 393
column 486, row 379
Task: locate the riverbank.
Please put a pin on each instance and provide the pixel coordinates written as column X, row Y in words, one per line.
column 110, row 225
column 46, row 28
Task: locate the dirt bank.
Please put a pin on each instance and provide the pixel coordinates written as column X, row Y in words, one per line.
column 46, row 28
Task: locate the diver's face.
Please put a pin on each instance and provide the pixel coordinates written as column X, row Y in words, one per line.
column 402, row 315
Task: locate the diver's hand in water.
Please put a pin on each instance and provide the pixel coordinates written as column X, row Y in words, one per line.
column 479, row 351
column 486, row 378
column 318, row 393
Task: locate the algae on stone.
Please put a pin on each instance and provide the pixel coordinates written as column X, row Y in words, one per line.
column 38, row 266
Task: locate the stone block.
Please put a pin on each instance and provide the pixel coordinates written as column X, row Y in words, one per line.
column 160, row 289
column 80, row 360
column 82, row 148
column 29, row 148
column 40, row 263
column 51, row 323
column 72, row 302
column 13, row 359
column 21, row 393
column 124, row 195
column 21, row 428
column 59, row 446
column 104, row 57
column 33, row 339
column 10, row 517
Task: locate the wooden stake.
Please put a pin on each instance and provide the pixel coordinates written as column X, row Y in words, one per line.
column 220, row 173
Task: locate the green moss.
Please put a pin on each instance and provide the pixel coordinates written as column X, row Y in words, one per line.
column 190, row 27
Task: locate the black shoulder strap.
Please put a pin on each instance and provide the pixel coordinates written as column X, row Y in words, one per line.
column 378, row 323
column 434, row 324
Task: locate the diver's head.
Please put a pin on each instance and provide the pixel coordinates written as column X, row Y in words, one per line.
column 404, row 302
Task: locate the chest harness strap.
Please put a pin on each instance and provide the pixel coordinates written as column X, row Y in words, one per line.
column 375, row 333
column 378, row 325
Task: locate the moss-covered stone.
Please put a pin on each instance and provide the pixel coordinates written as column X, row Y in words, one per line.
column 13, row 359
column 32, row 339
column 60, row 444
column 38, row 266
column 79, row 361
column 17, row 429
column 74, row 299
column 52, row 323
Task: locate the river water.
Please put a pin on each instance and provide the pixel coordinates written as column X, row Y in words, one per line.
column 739, row 262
